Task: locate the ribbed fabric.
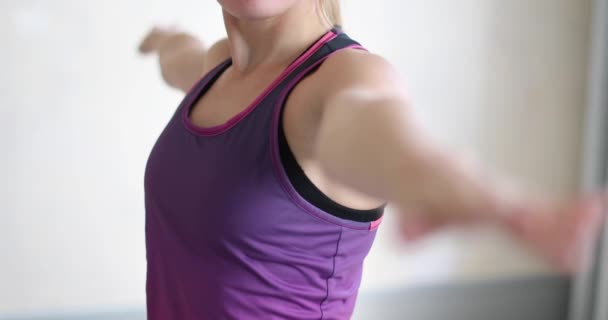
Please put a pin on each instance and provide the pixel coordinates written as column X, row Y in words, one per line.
column 227, row 235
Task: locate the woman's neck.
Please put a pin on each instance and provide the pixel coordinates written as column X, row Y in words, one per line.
column 274, row 41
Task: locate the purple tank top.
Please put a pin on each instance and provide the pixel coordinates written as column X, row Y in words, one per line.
column 227, row 235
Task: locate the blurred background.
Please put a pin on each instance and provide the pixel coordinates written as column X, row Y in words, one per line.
column 507, row 81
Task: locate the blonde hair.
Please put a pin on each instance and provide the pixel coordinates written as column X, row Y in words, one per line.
column 330, row 9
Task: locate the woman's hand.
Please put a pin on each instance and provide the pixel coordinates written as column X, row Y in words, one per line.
column 559, row 232
column 155, row 38
column 181, row 56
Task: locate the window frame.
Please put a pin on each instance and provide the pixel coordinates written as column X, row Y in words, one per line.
column 589, row 291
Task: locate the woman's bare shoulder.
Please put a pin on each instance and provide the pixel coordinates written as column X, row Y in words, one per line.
column 356, row 69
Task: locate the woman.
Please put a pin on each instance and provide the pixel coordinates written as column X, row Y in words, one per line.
column 265, row 189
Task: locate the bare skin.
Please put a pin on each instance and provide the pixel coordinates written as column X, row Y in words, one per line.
column 351, row 128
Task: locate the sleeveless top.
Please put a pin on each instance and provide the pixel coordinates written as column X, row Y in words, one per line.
column 228, row 235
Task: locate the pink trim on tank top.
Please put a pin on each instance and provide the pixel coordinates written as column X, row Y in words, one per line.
column 375, row 224
column 281, row 174
column 218, row 129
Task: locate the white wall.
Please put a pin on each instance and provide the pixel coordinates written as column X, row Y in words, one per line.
column 80, row 110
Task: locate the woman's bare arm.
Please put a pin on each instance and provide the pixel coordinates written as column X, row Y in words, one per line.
column 369, row 140
column 183, row 58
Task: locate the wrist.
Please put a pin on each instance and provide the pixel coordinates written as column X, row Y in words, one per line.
column 516, row 217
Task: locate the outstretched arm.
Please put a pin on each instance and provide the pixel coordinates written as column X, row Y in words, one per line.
column 182, row 57
column 369, row 139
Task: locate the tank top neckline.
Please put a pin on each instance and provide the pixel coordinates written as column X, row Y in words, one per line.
column 211, row 76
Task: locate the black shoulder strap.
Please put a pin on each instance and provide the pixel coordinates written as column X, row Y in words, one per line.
column 341, row 41
column 298, row 178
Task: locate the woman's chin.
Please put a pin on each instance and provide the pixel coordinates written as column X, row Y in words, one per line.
column 256, row 9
